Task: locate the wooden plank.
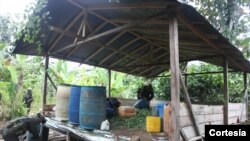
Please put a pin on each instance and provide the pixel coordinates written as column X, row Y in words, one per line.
column 126, row 21
column 108, row 20
column 189, row 105
column 133, row 33
column 77, row 17
column 121, row 48
column 51, row 81
column 123, row 58
column 136, row 5
column 186, row 121
column 45, row 86
column 226, row 97
column 92, row 33
column 174, row 134
column 111, row 31
column 201, row 35
column 107, row 44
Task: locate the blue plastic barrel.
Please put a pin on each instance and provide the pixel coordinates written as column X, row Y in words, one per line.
column 160, row 110
column 74, row 103
column 92, row 107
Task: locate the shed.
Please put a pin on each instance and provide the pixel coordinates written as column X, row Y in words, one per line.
column 138, row 37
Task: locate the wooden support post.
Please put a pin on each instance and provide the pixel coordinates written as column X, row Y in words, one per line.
column 246, row 93
column 53, row 84
column 174, row 134
column 226, row 98
column 109, row 73
column 45, row 82
column 189, row 106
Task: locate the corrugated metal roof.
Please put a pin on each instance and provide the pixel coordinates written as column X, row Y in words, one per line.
column 141, row 49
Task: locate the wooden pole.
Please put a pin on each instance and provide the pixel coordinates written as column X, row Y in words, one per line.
column 45, row 82
column 53, row 84
column 174, row 134
column 189, row 106
column 246, row 96
column 226, row 98
column 109, row 89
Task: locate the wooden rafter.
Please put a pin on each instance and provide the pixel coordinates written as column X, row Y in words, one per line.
column 133, row 33
column 118, row 6
column 117, row 51
column 79, row 31
column 111, row 31
column 121, row 48
column 77, row 17
column 200, row 34
column 142, row 57
column 155, row 22
column 99, row 27
column 126, row 21
column 156, row 59
column 107, row 44
column 112, row 49
column 124, row 57
column 181, row 42
column 159, row 30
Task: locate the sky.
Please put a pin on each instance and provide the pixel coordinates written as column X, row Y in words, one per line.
column 13, row 6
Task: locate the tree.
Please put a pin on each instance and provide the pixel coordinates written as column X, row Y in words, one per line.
column 228, row 16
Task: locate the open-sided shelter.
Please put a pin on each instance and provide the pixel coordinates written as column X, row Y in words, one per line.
column 138, row 37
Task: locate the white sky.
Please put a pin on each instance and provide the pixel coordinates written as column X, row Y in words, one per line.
column 13, row 6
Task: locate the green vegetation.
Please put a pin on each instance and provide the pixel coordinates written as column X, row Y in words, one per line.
column 136, row 122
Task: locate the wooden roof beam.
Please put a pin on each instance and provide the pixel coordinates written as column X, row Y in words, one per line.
column 157, row 58
column 124, row 57
column 133, row 33
column 136, row 5
column 158, row 30
column 142, row 57
column 107, row 44
column 90, row 34
column 156, row 21
column 77, row 17
column 201, row 35
column 121, row 48
column 111, row 31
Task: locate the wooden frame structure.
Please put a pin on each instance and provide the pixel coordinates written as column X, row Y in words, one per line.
column 138, row 38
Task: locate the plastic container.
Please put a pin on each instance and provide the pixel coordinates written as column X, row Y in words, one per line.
column 166, row 119
column 92, row 107
column 62, row 102
column 160, row 110
column 153, row 124
column 126, row 111
column 74, row 103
